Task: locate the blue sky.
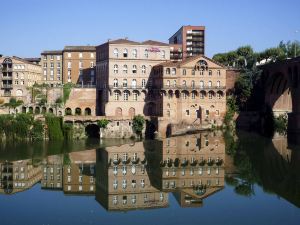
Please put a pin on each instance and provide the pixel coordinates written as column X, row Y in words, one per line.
column 31, row 26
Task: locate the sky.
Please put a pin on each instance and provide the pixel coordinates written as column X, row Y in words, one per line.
column 29, row 27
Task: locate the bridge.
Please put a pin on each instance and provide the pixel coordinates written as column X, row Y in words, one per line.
column 281, row 84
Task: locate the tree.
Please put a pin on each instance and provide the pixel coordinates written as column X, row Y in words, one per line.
column 138, row 124
column 103, row 123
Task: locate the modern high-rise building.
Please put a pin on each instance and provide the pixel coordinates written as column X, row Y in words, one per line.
column 79, row 64
column 187, row 41
column 51, row 62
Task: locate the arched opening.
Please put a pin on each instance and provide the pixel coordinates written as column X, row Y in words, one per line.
column 92, row 131
column 60, row 113
column 87, row 112
column 169, row 130
column 131, row 112
column 78, row 111
column 37, row 110
column 30, row 110
column 51, row 110
column 23, row 109
column 118, row 111
column 68, row 111
column 44, row 110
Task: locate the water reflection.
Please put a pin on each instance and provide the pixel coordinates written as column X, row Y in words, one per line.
column 134, row 175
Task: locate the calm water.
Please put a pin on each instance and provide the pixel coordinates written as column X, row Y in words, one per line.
column 207, row 178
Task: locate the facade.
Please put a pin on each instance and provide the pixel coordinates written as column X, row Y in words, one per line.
column 16, row 75
column 52, row 169
column 193, row 91
column 79, row 65
column 52, row 64
column 124, row 76
column 187, row 41
column 124, row 181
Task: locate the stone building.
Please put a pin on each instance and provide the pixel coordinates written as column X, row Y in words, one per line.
column 187, row 41
column 52, row 63
column 124, row 180
column 124, row 70
column 52, row 168
column 16, row 75
column 192, row 91
column 79, row 65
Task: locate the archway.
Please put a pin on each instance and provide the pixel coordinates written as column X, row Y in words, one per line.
column 44, row 110
column 23, row 109
column 118, row 111
column 51, row 110
column 68, row 111
column 131, row 112
column 37, row 110
column 78, row 111
column 92, row 131
column 87, row 111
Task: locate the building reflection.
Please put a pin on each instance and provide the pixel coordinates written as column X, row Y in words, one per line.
column 138, row 175
column 17, row 176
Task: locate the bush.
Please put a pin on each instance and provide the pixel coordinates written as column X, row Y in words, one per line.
column 138, row 124
column 66, row 91
column 54, row 125
column 68, row 131
column 103, row 123
column 37, row 132
column 280, row 124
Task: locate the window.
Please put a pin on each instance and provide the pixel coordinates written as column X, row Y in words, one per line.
column 91, row 64
column 58, row 65
column 134, row 53
column 168, row 83
column 201, row 72
column 184, row 72
column 143, row 69
column 115, row 184
column 184, row 83
column 135, row 95
column 58, row 57
column 116, row 52
column 163, row 54
column 124, row 184
column 125, row 96
column 209, row 83
column 45, row 65
column 80, row 55
column 134, row 69
column 143, row 83
column 45, row 57
column 58, row 72
column 69, row 55
column 92, row 55
column 173, row 71
column 133, row 83
column 142, row 183
column 210, row 95
column 201, row 84
column 51, row 57
column 45, row 72
column 184, row 95
column 187, row 112
column 80, row 64
column 124, row 82
column 193, row 72
column 125, row 69
column 174, row 83
column 193, row 84
column 202, row 95
column 210, row 73
column 217, row 112
column 168, row 71
column 125, row 53
column 69, row 65
column 146, row 54
column 193, row 95
column 115, row 170
column 218, row 72
column 218, row 83
column 116, row 68
column 115, row 82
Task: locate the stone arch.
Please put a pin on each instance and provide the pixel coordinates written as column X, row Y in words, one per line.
column 131, row 112
column 60, row 113
column 68, row 111
column 177, row 93
column 51, row 110
column 118, row 111
column 92, row 131
column 211, row 94
column 195, row 93
column 44, row 110
column 19, row 92
column 78, row 111
column 37, row 110
column 87, row 111
column 30, row 109
column 24, row 109
column 220, row 94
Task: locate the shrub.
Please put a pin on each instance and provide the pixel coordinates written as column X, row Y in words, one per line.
column 103, row 123
column 54, row 125
column 37, row 132
column 138, row 124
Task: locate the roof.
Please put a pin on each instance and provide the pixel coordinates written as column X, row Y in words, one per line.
column 180, row 63
column 33, row 59
column 129, row 42
column 21, row 59
column 80, row 48
column 52, row 52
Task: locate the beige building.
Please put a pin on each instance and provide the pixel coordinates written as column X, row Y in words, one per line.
column 52, row 168
column 124, row 78
column 52, row 64
column 124, row 181
column 18, row 176
column 16, row 75
column 79, row 65
column 192, row 91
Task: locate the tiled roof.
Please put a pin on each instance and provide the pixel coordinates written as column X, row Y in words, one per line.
column 52, row 52
column 148, row 42
column 80, row 48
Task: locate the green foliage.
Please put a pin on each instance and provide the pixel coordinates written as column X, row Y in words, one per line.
column 59, row 101
column 231, row 110
column 37, row 131
column 13, row 103
column 138, row 124
column 103, row 123
column 68, row 131
column 43, row 101
column 242, row 89
column 281, row 123
column 66, row 91
column 54, row 125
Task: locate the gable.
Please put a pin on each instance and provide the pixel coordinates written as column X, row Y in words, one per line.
column 201, row 61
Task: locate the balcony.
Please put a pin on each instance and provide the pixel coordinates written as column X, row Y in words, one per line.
column 10, row 86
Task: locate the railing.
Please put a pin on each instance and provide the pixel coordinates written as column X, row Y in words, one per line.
column 7, row 78
column 7, row 86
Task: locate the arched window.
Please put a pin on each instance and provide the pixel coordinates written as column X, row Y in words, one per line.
column 163, row 54
column 184, row 72
column 193, row 84
column 135, row 96
column 211, row 94
column 202, row 94
column 184, row 95
column 116, row 52
column 201, row 72
column 134, row 69
column 219, row 73
column 219, row 94
column 146, row 53
column 209, row 73
column 133, row 83
column 125, row 53
column 174, row 83
column 87, row 111
column 143, row 69
column 193, row 95
column 125, row 95
column 218, row 83
column 124, row 82
column 116, row 82
column 201, row 84
column 125, row 69
column 115, row 68
column 209, row 83
column 143, row 83
column 168, row 83
column 117, row 95
column 173, row 71
column 168, row 71
column 134, row 53
column 184, row 83
column 78, row 111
